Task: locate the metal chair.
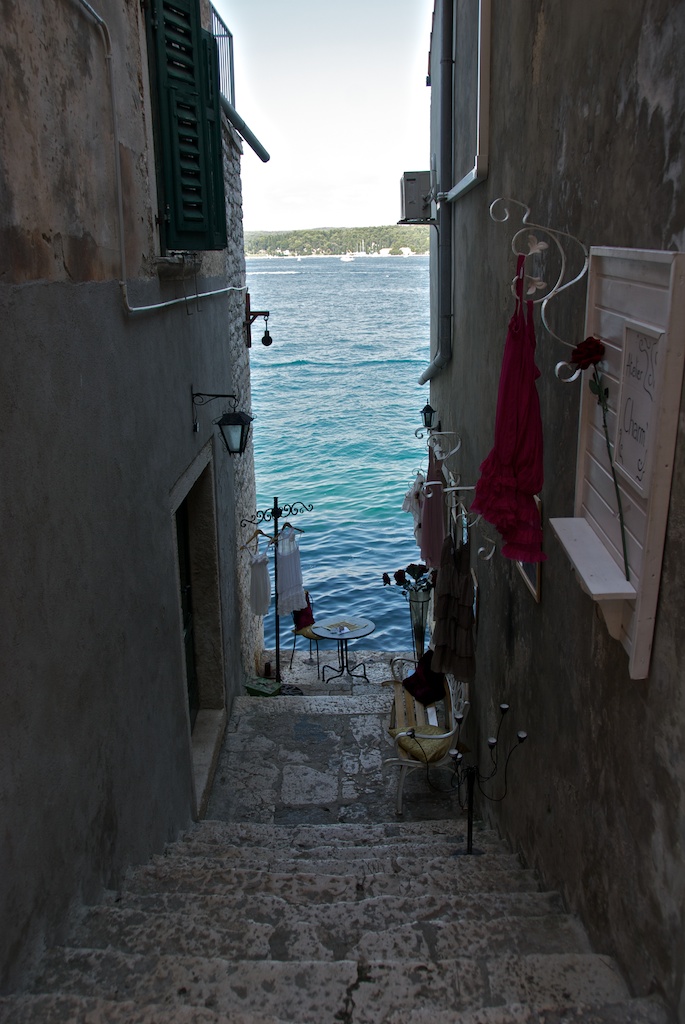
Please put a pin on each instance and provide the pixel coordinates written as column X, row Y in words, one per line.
column 423, row 735
column 306, row 632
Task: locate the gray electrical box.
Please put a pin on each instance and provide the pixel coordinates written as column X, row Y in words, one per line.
column 415, row 188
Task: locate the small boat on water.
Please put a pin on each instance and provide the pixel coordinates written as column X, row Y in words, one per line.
column 347, row 258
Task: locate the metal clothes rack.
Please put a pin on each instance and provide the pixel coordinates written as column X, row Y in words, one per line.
column 268, row 515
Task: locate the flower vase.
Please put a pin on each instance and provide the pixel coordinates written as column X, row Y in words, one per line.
column 418, row 613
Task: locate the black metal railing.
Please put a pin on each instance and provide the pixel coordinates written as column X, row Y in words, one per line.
column 224, row 40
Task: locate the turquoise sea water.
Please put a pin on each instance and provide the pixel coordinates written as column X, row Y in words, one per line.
column 336, row 403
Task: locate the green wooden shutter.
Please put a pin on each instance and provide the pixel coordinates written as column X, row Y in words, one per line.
column 210, row 51
column 189, row 128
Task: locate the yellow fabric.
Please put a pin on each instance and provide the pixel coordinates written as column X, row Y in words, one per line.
column 306, row 632
column 425, row 749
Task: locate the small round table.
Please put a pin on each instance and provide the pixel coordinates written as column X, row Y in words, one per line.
column 343, row 630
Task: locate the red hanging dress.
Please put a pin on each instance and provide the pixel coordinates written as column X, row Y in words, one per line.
column 512, row 473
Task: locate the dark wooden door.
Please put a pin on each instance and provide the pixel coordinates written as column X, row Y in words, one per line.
column 183, row 536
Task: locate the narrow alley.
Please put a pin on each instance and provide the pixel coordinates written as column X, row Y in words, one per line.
column 303, row 898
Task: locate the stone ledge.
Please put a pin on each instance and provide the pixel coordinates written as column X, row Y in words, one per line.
column 206, row 740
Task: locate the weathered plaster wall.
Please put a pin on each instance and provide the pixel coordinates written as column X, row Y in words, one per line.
column 57, row 220
column 587, row 128
column 97, row 448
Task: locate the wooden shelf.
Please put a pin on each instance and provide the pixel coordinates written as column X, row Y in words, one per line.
column 597, row 572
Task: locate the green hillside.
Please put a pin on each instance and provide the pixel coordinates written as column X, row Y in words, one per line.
column 338, row 241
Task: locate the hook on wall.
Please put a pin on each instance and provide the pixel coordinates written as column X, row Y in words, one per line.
column 500, row 213
column 434, row 442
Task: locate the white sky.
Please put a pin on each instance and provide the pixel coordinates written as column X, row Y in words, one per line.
column 336, row 93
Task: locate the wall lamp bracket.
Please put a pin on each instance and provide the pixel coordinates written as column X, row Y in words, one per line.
column 234, row 425
column 250, row 316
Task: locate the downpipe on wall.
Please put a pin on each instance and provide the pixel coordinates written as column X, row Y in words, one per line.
column 444, row 333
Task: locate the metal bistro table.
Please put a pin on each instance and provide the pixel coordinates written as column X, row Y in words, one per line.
column 344, row 630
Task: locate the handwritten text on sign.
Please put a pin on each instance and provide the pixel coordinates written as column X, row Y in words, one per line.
column 638, row 407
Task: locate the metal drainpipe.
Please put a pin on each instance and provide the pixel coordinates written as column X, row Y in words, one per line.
column 107, row 39
column 242, row 129
column 444, row 339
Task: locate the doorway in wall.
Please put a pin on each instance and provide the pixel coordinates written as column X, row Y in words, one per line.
column 200, row 602
column 187, row 627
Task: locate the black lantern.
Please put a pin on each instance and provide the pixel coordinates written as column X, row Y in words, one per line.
column 235, row 428
column 428, row 416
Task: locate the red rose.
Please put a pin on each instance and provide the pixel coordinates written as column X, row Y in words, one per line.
column 386, row 580
column 401, row 577
column 588, row 353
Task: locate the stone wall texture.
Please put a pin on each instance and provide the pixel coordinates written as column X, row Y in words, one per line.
column 251, row 628
column 98, row 454
column 587, row 127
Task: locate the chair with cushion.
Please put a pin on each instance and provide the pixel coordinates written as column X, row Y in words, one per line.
column 303, row 620
column 428, row 713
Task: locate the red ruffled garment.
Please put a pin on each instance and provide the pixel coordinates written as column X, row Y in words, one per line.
column 512, row 473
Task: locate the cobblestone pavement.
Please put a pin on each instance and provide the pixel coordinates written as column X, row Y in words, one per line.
column 316, row 757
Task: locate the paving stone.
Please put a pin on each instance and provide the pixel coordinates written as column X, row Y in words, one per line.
column 629, row 1011
column 307, row 991
column 62, row 1009
column 368, row 930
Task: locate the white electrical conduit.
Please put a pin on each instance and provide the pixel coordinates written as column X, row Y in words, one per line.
column 102, row 25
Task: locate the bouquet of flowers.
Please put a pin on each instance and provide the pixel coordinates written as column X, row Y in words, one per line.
column 412, row 579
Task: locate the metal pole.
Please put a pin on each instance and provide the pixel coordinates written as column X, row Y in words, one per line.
column 470, row 786
column 276, row 514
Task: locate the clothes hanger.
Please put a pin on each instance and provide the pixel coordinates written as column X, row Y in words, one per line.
column 254, row 536
column 291, row 527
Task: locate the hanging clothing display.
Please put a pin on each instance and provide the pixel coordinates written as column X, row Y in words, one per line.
column 452, row 638
column 413, row 503
column 513, row 471
column 433, row 522
column 291, row 596
column 260, row 583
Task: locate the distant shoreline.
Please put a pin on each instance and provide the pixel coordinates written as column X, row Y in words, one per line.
column 331, row 255
column 349, row 243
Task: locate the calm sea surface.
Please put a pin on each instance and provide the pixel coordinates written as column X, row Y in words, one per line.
column 336, row 403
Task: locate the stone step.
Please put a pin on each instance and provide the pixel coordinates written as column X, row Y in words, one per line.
column 331, row 861
column 464, row 874
column 257, row 853
column 350, row 931
column 339, row 834
column 64, row 1009
column 223, row 909
column 311, row 992
column 648, row 1010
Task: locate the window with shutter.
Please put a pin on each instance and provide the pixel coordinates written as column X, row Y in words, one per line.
column 188, row 122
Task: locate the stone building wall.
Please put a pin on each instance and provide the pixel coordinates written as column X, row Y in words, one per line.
column 586, row 127
column 251, row 627
column 98, row 763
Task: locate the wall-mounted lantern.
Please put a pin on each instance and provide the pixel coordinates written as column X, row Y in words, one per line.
column 234, row 425
column 428, row 415
column 235, row 429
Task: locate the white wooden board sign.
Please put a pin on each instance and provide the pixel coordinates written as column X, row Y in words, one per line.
column 638, row 404
column 636, row 305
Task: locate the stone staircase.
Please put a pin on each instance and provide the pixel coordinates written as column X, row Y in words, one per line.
column 332, row 924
